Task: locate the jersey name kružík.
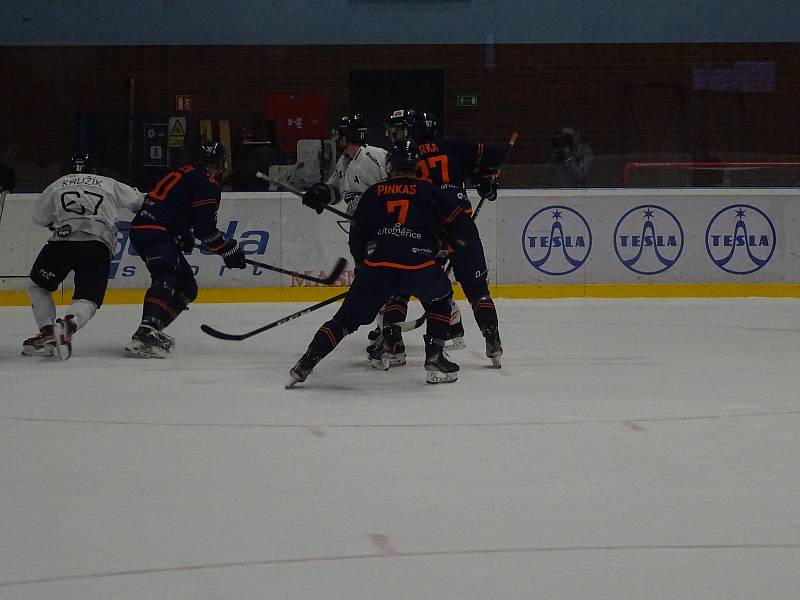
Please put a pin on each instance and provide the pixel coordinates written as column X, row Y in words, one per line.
column 85, row 207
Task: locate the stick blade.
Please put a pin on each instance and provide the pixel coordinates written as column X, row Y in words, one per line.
column 337, row 270
column 220, row 335
column 411, row 325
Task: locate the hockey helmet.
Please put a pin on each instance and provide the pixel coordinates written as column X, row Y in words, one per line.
column 424, row 126
column 353, row 127
column 81, row 163
column 399, row 122
column 213, row 153
column 404, row 155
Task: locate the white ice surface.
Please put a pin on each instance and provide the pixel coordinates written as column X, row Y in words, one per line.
column 628, row 449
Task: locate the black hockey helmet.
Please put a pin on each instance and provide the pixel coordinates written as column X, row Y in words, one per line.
column 404, row 155
column 81, row 162
column 400, row 121
column 214, row 153
column 353, row 127
column 424, row 126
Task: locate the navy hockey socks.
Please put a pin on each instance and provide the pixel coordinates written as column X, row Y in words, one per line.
column 326, row 339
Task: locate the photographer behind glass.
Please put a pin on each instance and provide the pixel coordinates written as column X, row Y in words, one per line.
column 571, row 160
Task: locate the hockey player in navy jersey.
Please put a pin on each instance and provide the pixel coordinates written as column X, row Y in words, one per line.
column 452, row 161
column 82, row 210
column 393, row 239
column 182, row 206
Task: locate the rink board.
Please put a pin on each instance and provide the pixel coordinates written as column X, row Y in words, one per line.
column 538, row 244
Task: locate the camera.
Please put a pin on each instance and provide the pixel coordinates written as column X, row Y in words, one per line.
column 562, row 140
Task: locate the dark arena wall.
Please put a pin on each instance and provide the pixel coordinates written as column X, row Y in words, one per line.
column 631, row 101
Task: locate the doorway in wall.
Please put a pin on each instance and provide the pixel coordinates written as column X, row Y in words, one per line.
column 376, row 93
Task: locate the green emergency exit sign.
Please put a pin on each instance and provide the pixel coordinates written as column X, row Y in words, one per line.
column 464, row 101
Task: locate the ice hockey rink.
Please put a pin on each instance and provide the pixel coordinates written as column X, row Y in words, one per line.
column 628, row 449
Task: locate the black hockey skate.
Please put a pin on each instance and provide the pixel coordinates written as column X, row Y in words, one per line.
column 302, row 369
column 42, row 344
column 62, row 334
column 454, row 338
column 149, row 342
column 440, row 369
column 494, row 347
column 391, row 352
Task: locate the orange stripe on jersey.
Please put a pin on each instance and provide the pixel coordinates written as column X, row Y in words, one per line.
column 398, row 265
column 158, row 227
column 203, row 202
column 456, row 211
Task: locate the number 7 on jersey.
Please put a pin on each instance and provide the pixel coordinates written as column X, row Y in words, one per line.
column 401, row 205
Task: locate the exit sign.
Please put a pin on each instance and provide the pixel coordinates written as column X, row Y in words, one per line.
column 467, row 101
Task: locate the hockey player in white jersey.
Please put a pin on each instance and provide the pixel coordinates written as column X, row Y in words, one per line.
column 82, row 210
column 359, row 166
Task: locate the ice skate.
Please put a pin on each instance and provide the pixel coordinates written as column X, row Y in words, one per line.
column 454, row 338
column 392, row 351
column 494, row 347
column 302, row 369
column 439, row 368
column 42, row 344
column 149, row 342
column 376, row 337
column 62, row 334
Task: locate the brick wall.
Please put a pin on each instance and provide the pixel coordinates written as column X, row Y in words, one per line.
column 631, row 101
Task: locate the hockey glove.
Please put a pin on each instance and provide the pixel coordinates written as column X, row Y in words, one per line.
column 233, row 255
column 229, row 250
column 320, row 195
column 487, row 188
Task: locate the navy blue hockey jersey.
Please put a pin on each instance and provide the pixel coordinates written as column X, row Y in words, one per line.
column 455, row 160
column 184, row 199
column 401, row 216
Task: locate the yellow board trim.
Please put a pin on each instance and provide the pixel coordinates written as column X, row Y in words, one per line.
column 593, row 290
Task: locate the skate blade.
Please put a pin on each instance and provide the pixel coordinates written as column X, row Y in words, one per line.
column 137, row 351
column 382, row 364
column 63, row 348
column 457, row 343
column 396, row 360
column 47, row 351
column 291, row 383
column 440, row 377
column 495, row 362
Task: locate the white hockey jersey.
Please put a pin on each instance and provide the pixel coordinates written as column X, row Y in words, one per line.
column 353, row 176
column 84, row 206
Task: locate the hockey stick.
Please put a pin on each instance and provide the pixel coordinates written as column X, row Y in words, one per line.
column 330, row 279
column 243, row 336
column 299, row 192
column 411, row 325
